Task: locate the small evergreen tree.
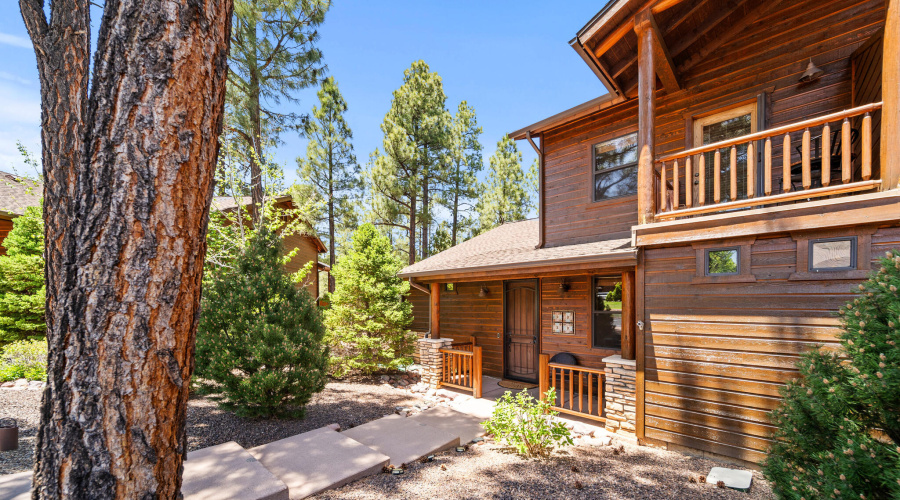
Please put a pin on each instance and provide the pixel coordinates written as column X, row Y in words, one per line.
column 260, row 338
column 368, row 322
column 839, row 424
column 22, row 290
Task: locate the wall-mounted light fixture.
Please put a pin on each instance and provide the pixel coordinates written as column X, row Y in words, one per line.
column 812, row 73
column 564, row 286
column 483, row 292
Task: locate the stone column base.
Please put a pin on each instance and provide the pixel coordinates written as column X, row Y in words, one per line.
column 430, row 359
column 619, row 395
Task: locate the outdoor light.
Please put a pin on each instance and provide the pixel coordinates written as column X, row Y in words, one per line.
column 563, row 286
column 483, row 292
column 812, row 73
column 460, row 449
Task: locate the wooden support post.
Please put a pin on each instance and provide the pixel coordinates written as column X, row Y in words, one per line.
column 646, row 117
column 476, row 379
column 543, row 374
column 628, row 317
column 435, row 310
column 890, row 91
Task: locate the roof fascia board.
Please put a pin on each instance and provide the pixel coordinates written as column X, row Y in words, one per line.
column 583, row 109
column 525, row 265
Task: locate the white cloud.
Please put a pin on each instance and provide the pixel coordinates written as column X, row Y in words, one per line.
column 20, row 105
column 15, row 40
column 14, row 78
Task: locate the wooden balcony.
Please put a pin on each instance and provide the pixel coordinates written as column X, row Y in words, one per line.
column 821, row 157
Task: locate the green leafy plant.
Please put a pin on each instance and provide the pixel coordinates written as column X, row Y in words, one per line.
column 528, row 424
column 22, row 290
column 838, row 427
column 260, row 338
column 24, row 359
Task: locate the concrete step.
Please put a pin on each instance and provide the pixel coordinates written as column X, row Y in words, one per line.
column 16, row 486
column 229, row 472
column 403, row 439
column 467, row 427
column 318, row 460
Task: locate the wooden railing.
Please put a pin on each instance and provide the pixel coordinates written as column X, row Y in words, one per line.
column 461, row 367
column 810, row 177
column 579, row 389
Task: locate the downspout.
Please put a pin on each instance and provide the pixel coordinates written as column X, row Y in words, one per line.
column 540, row 154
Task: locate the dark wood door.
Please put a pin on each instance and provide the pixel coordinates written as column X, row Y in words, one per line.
column 520, row 338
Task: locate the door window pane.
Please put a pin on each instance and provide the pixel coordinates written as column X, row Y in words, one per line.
column 615, row 167
column 607, row 297
column 721, row 131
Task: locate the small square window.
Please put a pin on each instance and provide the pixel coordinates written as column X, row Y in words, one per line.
column 723, row 262
column 832, row 254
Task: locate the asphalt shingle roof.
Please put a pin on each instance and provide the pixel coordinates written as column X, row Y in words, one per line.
column 512, row 245
column 18, row 193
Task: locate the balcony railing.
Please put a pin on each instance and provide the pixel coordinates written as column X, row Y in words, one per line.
column 461, row 367
column 835, row 161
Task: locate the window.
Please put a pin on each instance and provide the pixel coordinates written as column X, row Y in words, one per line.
column 832, row 254
column 607, row 309
column 719, row 127
column 615, row 167
column 723, row 262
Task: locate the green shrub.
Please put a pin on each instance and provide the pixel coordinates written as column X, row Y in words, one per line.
column 260, row 338
column 528, row 425
column 838, row 428
column 24, row 359
column 368, row 320
column 22, row 291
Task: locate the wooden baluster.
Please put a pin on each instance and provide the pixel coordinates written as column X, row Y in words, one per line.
column 580, row 390
column 867, row 147
column 675, row 186
column 701, row 192
column 826, row 155
column 845, row 151
column 717, row 177
column 805, row 160
column 786, row 164
column 751, row 170
column 571, row 383
column 767, row 166
column 591, row 388
column 688, row 183
column 663, row 189
column 732, row 167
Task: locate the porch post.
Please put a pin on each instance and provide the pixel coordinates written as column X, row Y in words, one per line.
column 628, row 315
column 435, row 297
column 890, row 90
column 646, row 115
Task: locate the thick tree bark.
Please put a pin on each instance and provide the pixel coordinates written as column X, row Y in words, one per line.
column 128, row 182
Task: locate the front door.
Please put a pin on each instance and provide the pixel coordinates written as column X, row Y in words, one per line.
column 520, row 338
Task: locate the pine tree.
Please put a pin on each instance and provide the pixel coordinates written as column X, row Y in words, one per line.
column 506, row 195
column 416, row 136
column 368, row 322
column 260, row 338
column 22, row 290
column 330, row 166
column 838, row 428
column 465, row 162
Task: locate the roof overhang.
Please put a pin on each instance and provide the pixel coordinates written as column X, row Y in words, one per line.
column 584, row 109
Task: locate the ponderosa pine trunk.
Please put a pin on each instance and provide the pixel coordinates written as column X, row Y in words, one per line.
column 128, row 179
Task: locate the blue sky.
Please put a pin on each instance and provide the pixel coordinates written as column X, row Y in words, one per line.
column 510, row 61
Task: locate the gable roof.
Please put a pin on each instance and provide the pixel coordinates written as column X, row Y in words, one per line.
column 511, row 246
column 227, row 203
column 17, row 193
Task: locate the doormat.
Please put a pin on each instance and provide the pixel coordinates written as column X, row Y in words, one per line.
column 515, row 384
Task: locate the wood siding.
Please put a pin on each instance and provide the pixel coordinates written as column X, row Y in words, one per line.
column 464, row 314
column 717, row 353
column 420, row 303
column 766, row 58
column 5, row 228
column 307, row 252
column 577, row 299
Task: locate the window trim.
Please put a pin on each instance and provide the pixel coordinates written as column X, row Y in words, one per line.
column 854, row 244
column 706, row 253
column 698, row 121
column 593, row 289
column 744, row 246
column 594, row 172
column 863, row 235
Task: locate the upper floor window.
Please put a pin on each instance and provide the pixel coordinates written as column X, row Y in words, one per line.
column 724, row 125
column 615, row 167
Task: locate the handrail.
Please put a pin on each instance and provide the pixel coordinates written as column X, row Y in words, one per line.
column 457, row 351
column 576, row 368
column 784, row 129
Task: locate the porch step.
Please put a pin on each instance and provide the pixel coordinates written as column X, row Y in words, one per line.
column 16, row 486
column 228, row 472
column 467, row 427
column 403, row 439
column 318, row 460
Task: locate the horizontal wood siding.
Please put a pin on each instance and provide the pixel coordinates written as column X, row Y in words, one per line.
column 716, row 354
column 421, row 307
column 465, row 314
column 5, row 228
column 307, row 252
column 577, row 299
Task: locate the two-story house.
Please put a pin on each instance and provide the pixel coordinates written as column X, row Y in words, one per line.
column 699, row 225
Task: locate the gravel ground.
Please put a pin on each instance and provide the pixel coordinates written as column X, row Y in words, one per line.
column 490, row 471
column 348, row 403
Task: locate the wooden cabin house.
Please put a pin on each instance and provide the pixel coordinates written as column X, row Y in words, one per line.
column 699, row 226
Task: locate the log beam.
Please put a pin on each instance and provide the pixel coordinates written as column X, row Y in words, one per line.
column 665, row 68
column 646, row 117
column 890, row 88
column 435, row 299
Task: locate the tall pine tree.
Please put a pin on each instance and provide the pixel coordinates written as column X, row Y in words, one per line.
column 506, row 196
column 465, row 162
column 330, row 165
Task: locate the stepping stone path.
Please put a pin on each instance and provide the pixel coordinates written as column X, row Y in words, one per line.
column 308, row 463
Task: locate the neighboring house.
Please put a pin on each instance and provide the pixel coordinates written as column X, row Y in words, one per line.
column 308, row 244
column 732, row 256
column 16, row 194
